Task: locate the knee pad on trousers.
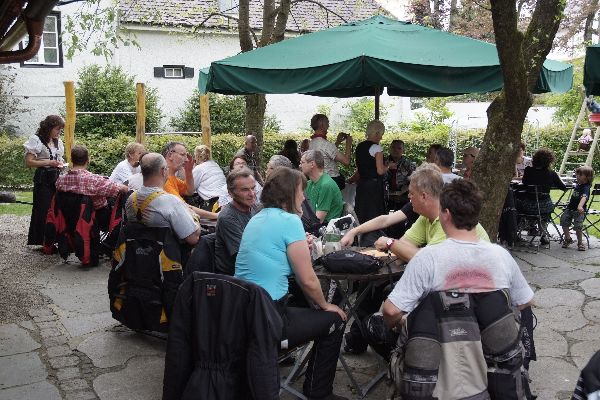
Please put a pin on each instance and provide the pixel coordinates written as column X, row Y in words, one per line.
column 421, row 364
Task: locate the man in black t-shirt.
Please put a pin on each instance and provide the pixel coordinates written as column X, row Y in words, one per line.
column 233, row 219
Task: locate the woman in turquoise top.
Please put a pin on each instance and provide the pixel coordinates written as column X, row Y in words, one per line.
column 273, row 247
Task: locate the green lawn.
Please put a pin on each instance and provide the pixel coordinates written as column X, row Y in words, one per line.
column 18, row 209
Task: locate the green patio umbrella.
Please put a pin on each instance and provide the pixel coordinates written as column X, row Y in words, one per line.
column 591, row 70
column 361, row 58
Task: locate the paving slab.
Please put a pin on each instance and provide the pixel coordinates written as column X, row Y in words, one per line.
column 539, row 260
column 110, row 349
column 588, row 332
column 551, row 375
column 552, row 297
column 15, row 340
column 544, row 278
column 591, row 287
column 27, row 325
column 36, row 391
column 82, row 298
column 82, row 324
column 21, row 369
column 72, row 274
column 592, row 311
column 141, row 380
column 560, row 318
column 582, row 352
column 549, row 343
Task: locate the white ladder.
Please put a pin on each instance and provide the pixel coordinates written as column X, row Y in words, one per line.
column 567, row 166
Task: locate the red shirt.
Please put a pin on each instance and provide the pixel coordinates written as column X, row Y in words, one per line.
column 81, row 181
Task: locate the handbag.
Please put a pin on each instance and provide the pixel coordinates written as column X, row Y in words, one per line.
column 350, row 261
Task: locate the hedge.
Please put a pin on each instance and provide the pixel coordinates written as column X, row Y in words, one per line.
column 106, row 153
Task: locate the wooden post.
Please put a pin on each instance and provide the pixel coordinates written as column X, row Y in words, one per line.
column 205, row 120
column 140, row 113
column 70, row 118
column 377, row 103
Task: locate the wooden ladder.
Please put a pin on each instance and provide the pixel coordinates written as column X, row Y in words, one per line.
column 573, row 158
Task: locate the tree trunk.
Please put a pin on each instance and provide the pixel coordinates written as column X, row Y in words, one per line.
column 588, row 29
column 521, row 57
column 256, row 104
column 452, row 15
column 274, row 23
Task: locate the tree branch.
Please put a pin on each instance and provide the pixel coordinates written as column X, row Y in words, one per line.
column 281, row 23
column 218, row 14
column 322, row 6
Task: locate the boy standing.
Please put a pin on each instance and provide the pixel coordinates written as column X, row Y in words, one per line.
column 575, row 211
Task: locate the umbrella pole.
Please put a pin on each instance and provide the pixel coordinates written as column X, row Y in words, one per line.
column 377, row 103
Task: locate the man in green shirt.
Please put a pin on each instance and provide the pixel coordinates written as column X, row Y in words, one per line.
column 322, row 192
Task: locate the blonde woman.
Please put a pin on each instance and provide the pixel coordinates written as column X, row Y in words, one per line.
column 209, row 179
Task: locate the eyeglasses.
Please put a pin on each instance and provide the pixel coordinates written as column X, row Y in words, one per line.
column 184, row 154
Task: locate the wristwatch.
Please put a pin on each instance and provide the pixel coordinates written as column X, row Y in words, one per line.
column 389, row 243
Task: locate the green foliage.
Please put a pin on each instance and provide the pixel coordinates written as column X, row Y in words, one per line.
column 111, row 89
column 106, row 153
column 9, row 104
column 93, row 28
column 360, row 113
column 13, row 171
column 227, row 115
column 568, row 104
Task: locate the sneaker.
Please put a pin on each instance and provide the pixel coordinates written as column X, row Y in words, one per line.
column 349, row 348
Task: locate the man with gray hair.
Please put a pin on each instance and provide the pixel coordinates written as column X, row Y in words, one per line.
column 151, row 206
column 233, row 219
column 322, row 192
column 277, row 161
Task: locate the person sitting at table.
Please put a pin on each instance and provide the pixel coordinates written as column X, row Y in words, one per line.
column 130, row 165
column 543, row 178
column 462, row 263
column 209, row 179
column 426, row 185
column 424, row 190
column 468, row 160
column 290, row 151
column 81, row 181
column 239, row 162
column 233, row 218
column 177, row 157
column 273, row 247
column 322, row 192
column 445, row 160
column 164, row 209
column 522, row 162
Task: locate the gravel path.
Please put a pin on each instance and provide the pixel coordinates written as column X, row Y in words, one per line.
column 19, row 263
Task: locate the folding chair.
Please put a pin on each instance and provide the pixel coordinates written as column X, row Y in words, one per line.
column 531, row 217
column 592, row 214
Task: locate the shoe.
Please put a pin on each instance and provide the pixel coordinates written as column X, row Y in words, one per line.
column 580, row 246
column 544, row 241
column 567, row 242
column 349, row 348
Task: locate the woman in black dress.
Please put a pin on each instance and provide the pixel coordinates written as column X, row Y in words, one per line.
column 44, row 151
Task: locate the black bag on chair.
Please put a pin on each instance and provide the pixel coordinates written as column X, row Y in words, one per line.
column 350, row 261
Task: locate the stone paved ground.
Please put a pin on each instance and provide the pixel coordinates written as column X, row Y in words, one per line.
column 70, row 348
